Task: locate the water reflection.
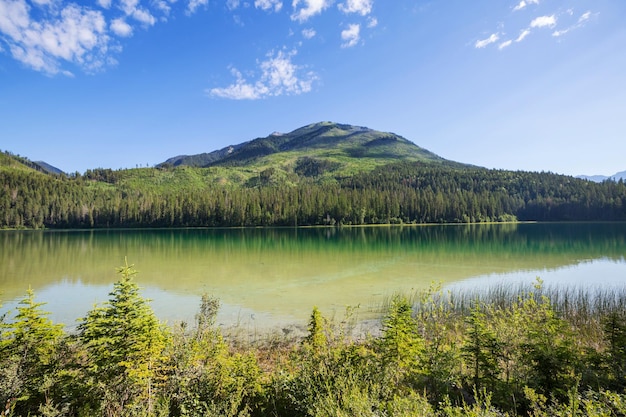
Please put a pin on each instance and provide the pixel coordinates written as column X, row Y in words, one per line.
column 284, row 272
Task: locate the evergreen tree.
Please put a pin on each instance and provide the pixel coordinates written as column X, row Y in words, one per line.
column 401, row 346
column 481, row 350
column 28, row 348
column 125, row 344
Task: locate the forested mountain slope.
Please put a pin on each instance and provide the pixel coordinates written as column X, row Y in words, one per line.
column 321, row 174
column 407, row 192
column 11, row 161
column 324, row 149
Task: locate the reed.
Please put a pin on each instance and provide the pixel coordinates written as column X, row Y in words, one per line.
column 584, row 307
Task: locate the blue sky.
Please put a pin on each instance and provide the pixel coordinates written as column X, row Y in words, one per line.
column 536, row 85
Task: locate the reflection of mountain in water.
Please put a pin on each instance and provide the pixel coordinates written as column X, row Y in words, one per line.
column 284, row 269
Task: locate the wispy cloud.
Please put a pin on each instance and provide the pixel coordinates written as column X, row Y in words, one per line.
column 543, row 21
column 121, row 28
column 505, row 44
column 351, row 35
column 585, row 16
column 279, row 76
column 554, row 21
column 49, row 35
column 523, row 35
column 232, row 4
column 144, row 16
column 194, row 5
column 484, row 42
column 72, row 34
column 582, row 20
column 131, row 8
column 277, row 5
column 523, row 3
column 309, row 33
column 309, row 9
column 104, row 3
column 362, row 7
column 164, row 6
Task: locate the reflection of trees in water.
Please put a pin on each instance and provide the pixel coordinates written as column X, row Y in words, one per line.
column 37, row 256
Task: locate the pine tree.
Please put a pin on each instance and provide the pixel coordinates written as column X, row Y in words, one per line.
column 481, row 350
column 28, row 347
column 401, row 346
column 125, row 343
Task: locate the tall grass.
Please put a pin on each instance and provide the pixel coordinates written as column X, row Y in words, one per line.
column 577, row 304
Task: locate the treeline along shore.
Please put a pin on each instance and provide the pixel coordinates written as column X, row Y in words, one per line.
column 406, row 192
column 526, row 351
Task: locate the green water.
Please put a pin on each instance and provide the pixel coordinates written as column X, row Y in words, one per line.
column 277, row 275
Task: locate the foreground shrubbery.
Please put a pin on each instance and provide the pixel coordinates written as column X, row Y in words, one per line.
column 527, row 352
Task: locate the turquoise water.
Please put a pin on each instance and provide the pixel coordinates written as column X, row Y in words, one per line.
column 265, row 277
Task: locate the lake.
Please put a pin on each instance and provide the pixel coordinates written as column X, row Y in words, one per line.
column 267, row 277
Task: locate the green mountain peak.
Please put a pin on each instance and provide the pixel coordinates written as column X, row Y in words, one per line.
column 316, row 149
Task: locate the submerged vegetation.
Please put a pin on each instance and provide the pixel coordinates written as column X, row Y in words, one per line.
column 526, row 351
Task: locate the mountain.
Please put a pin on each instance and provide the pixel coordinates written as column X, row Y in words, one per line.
column 600, row 178
column 202, row 159
column 46, row 167
column 316, row 149
column 9, row 160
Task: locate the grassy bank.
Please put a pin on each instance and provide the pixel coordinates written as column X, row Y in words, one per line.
column 521, row 351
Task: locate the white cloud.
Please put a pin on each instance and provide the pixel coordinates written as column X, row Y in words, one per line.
column 277, row 5
column 505, row 44
column 144, row 17
column 193, row 5
column 279, row 76
column 308, row 33
column 584, row 17
column 310, row 9
column 484, row 42
column 351, row 36
column 232, row 4
column 163, row 6
column 372, row 22
column 554, row 22
column 72, row 34
column 520, row 6
column 131, row 8
column 523, row 35
column 240, row 90
column 582, row 20
column 121, row 28
column 523, row 3
column 104, row 3
column 543, row 21
column 128, row 6
column 362, row 7
column 14, row 18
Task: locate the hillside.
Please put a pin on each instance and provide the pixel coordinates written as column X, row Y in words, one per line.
column 321, row 174
column 316, row 150
column 11, row 161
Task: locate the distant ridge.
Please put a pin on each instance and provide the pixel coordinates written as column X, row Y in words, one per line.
column 324, row 140
column 8, row 159
column 599, row 178
column 202, row 159
column 46, row 167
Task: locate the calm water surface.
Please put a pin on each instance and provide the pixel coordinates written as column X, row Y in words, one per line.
column 274, row 276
